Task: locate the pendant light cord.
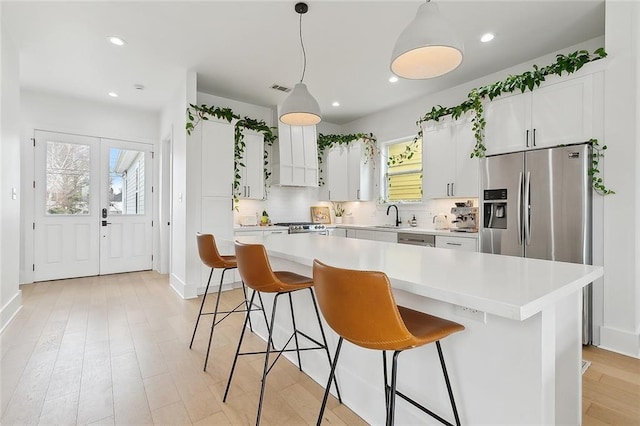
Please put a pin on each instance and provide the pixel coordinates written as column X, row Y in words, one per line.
column 304, row 52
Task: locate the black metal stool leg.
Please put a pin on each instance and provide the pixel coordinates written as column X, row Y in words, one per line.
column 213, row 323
column 324, row 341
column 386, row 380
column 295, row 331
column 264, row 313
column 446, row 379
column 266, row 358
column 331, row 377
column 246, row 304
column 235, row 358
column 392, row 391
column 204, row 297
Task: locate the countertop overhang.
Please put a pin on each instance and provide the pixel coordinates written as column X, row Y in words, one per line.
column 505, row 286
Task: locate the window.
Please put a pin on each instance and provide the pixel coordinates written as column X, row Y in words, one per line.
column 403, row 180
column 68, row 167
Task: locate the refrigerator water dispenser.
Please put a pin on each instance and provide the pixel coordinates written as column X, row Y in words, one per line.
column 495, row 208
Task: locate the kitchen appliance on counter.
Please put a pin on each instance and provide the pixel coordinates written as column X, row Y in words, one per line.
column 304, row 227
column 466, row 219
column 441, row 221
column 537, row 204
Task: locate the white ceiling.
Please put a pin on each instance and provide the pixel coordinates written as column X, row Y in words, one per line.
column 240, row 48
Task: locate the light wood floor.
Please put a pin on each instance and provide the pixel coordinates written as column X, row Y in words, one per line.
column 114, row 350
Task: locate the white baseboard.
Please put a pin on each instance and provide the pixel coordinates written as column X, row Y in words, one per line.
column 620, row 341
column 10, row 309
column 183, row 290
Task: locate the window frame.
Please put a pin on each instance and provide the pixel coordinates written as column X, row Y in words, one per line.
column 384, row 175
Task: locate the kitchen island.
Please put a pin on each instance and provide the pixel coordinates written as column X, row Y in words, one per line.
column 517, row 362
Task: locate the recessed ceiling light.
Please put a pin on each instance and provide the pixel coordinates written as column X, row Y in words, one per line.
column 117, row 40
column 336, row 104
column 113, row 94
column 487, row 37
column 393, row 79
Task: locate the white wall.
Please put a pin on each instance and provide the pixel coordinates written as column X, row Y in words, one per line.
column 56, row 113
column 621, row 331
column 172, row 125
column 10, row 295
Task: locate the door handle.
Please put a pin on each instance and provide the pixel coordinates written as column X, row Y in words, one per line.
column 534, row 137
column 527, row 208
column 527, row 139
column 105, row 223
column 520, row 212
column 448, row 189
column 452, row 191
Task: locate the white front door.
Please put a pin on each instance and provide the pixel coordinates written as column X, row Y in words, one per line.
column 67, row 202
column 125, row 211
column 93, row 206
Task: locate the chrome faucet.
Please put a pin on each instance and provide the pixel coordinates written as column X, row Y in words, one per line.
column 397, row 219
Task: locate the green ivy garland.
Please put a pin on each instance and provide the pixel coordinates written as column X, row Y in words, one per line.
column 198, row 113
column 526, row 81
column 325, row 142
column 596, row 181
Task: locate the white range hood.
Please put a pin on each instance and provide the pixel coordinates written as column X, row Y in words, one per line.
column 295, row 155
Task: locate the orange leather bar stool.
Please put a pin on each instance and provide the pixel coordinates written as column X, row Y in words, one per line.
column 210, row 256
column 257, row 274
column 359, row 307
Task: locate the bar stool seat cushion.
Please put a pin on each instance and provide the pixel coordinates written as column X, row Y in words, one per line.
column 426, row 328
column 292, row 279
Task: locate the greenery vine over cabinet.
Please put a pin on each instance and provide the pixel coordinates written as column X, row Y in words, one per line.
column 325, row 142
column 198, row 113
column 528, row 80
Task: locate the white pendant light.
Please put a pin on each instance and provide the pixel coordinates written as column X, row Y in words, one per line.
column 427, row 47
column 300, row 108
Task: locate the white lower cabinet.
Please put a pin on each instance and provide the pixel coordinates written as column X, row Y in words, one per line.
column 457, row 243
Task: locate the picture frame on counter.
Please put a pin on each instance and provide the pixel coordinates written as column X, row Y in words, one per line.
column 320, row 214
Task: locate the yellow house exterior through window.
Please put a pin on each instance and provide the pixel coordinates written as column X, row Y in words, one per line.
column 404, row 180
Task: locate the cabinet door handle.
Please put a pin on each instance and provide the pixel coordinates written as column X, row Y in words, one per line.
column 329, row 194
column 454, row 244
column 534, row 137
column 358, row 194
column 452, row 192
column 527, row 138
column 448, row 189
column 248, row 191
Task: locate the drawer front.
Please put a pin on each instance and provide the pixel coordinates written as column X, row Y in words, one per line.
column 457, row 243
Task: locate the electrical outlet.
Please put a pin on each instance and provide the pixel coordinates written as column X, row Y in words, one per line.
column 473, row 314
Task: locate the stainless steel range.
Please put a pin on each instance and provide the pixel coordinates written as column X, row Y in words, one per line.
column 304, row 227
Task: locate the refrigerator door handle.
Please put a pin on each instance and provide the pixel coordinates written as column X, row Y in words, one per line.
column 527, row 207
column 519, row 215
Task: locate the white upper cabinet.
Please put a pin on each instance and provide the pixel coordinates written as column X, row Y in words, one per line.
column 252, row 174
column 295, row 156
column 551, row 115
column 217, row 159
column 349, row 174
column 360, row 173
column 337, row 174
column 448, row 170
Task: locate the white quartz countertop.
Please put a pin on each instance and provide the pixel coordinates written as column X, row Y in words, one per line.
column 506, row 286
column 412, row 230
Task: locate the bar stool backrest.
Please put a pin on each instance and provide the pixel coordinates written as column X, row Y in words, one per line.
column 208, row 251
column 359, row 306
column 255, row 269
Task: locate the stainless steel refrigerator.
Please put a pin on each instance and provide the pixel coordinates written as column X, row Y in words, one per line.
column 537, row 204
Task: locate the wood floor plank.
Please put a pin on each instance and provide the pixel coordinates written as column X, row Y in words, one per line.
column 114, row 350
column 611, row 417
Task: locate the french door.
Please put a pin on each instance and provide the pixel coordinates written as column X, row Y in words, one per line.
column 93, row 206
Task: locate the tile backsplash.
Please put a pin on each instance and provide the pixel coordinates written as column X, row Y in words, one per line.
column 291, row 204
